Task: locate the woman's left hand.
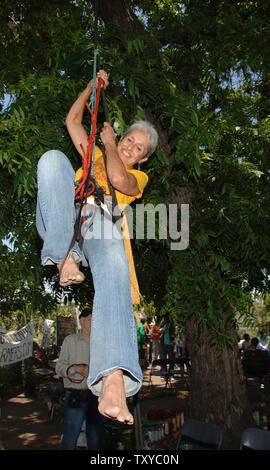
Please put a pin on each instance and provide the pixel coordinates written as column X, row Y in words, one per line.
column 107, row 134
column 104, row 76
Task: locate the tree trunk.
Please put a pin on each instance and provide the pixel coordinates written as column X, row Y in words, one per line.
column 120, row 12
column 218, row 391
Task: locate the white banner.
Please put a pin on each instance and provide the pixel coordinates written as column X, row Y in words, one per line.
column 45, row 343
column 17, row 345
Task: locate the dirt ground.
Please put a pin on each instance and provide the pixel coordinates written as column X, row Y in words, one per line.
column 24, row 423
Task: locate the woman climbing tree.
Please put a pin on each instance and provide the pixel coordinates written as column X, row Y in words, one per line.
column 114, row 367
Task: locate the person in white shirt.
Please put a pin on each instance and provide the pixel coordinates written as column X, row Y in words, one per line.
column 80, row 403
column 244, row 343
column 264, row 342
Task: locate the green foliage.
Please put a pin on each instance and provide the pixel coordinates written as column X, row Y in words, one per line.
column 200, row 70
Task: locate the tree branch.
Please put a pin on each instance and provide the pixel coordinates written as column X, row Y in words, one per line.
column 118, row 11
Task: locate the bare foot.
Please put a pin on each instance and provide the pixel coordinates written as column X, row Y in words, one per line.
column 70, row 273
column 112, row 402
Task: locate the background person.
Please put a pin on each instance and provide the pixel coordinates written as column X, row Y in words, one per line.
column 245, row 343
column 264, row 342
column 80, row 404
column 254, row 360
column 155, row 339
column 167, row 340
column 142, row 341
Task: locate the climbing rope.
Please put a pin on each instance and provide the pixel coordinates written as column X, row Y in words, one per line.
column 83, row 190
column 87, row 184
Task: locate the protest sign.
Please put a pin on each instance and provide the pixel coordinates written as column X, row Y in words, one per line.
column 17, row 345
column 45, row 343
column 64, row 326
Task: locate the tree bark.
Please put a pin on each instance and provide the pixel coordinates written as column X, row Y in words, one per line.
column 217, row 385
column 120, row 12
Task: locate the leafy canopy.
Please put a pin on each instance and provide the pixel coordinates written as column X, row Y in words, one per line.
column 200, row 70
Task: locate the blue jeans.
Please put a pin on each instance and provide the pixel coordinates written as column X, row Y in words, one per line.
column 113, row 340
column 73, row 420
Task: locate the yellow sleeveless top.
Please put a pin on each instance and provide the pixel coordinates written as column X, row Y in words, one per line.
column 123, row 200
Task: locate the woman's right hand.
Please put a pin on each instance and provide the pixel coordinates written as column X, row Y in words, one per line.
column 107, row 134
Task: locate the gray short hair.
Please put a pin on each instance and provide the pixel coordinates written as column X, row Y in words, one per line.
column 151, row 132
